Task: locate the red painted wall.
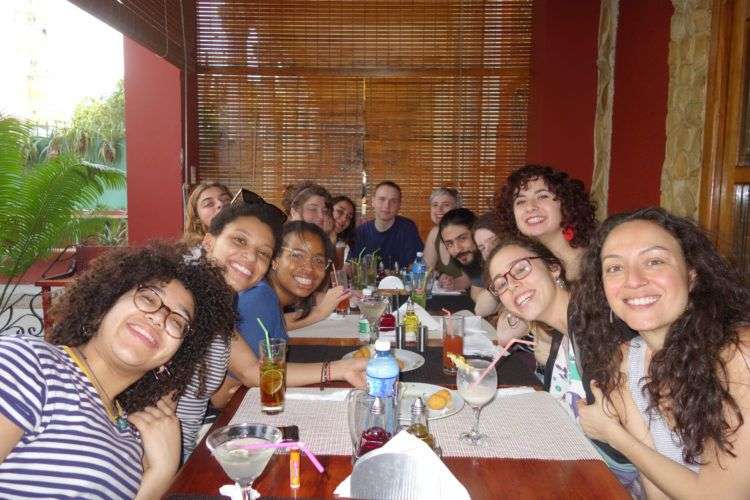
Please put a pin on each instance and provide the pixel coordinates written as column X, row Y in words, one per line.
column 640, row 104
column 153, row 126
column 563, row 91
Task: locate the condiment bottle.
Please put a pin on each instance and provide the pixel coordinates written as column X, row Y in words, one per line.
column 411, row 320
column 419, row 426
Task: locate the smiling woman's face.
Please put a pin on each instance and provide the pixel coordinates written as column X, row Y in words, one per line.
column 244, row 248
column 537, row 211
column 137, row 341
column 645, row 276
column 530, row 296
column 300, row 267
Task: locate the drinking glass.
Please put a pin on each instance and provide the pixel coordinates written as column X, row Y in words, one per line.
column 419, row 289
column 358, row 408
column 453, row 341
column 242, row 465
column 476, row 395
column 272, row 356
column 339, row 277
column 340, row 254
column 372, row 308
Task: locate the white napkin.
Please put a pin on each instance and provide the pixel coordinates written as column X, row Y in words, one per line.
column 336, row 316
column 514, row 391
column 405, row 443
column 477, row 344
column 315, row 394
column 424, row 316
column 438, row 290
column 235, row 492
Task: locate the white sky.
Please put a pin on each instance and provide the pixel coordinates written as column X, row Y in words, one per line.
column 54, row 54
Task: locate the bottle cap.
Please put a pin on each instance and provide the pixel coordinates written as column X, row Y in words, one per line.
column 417, row 407
column 419, row 254
column 382, row 345
column 363, row 326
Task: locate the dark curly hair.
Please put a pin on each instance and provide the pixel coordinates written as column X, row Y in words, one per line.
column 80, row 310
column 266, row 213
column 578, row 211
column 688, row 375
column 348, row 234
column 299, row 228
column 529, row 244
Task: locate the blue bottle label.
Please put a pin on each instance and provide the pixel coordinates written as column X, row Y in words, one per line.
column 382, row 387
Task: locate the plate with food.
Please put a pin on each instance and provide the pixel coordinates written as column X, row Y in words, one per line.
column 440, row 402
column 407, row 360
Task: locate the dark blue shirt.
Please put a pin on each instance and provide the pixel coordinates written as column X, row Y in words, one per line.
column 261, row 302
column 399, row 243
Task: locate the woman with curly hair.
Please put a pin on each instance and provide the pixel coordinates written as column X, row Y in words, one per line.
column 674, row 399
column 307, row 201
column 547, row 205
column 92, row 408
column 204, row 203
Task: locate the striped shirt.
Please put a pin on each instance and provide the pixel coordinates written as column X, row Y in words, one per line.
column 70, row 448
column 191, row 408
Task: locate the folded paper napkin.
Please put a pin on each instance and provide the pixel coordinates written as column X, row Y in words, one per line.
column 477, row 344
column 315, row 394
column 424, row 317
column 235, row 492
column 423, row 474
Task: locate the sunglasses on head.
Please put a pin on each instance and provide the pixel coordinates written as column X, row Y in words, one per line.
column 247, row 197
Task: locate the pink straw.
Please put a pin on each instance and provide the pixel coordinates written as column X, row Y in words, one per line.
column 449, row 325
column 499, row 355
column 286, row 444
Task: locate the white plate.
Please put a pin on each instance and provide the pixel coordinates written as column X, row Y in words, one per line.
column 409, row 391
column 408, row 359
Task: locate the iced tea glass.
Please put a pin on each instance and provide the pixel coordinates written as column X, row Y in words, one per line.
column 339, row 277
column 453, row 341
column 272, row 356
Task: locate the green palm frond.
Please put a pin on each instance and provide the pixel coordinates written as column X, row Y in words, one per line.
column 40, row 205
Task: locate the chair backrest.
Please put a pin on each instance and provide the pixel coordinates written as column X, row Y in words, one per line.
column 86, row 253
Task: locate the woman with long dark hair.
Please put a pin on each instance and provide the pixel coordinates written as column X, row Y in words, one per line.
column 344, row 219
column 547, row 205
column 674, row 399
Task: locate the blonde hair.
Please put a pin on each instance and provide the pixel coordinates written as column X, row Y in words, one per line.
column 194, row 230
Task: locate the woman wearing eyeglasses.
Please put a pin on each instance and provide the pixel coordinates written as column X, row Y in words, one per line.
column 89, row 413
column 530, row 282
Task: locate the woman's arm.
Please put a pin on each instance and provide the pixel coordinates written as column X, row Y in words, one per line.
column 10, row 436
column 245, row 367
column 319, row 312
column 486, row 304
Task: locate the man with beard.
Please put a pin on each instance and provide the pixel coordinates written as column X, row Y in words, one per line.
column 455, row 231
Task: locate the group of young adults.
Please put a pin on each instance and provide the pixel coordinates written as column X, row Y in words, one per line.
column 640, row 328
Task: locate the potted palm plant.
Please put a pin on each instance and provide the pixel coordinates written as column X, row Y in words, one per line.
column 40, row 203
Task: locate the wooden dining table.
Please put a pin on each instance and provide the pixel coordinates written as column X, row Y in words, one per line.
column 484, row 478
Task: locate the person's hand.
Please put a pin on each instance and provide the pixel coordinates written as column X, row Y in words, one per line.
column 447, row 282
column 352, row 370
column 160, row 434
column 599, row 420
column 331, row 299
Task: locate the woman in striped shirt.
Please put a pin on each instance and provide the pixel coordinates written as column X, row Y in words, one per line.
column 90, row 414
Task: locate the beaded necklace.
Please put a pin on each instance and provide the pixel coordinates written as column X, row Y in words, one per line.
column 112, row 407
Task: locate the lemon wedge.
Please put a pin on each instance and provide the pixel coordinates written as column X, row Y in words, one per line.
column 271, row 381
column 460, row 362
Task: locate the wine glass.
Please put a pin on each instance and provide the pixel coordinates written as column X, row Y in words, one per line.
column 242, row 465
column 476, row 395
column 372, row 308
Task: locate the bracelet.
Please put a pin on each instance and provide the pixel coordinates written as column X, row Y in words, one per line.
column 324, row 374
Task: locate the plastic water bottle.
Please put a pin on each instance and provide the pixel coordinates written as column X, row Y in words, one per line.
column 419, row 266
column 382, row 371
column 418, row 280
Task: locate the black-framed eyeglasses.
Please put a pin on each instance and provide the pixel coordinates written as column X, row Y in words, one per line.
column 518, row 270
column 147, row 300
column 300, row 257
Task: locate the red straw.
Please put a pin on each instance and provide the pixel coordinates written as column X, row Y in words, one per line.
column 504, row 351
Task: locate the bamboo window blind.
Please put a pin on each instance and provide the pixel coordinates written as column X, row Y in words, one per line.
column 425, row 93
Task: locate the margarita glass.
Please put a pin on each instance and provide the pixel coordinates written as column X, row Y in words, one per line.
column 476, row 394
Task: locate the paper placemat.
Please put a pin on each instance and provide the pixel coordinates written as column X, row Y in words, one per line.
column 344, row 327
column 530, row 426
